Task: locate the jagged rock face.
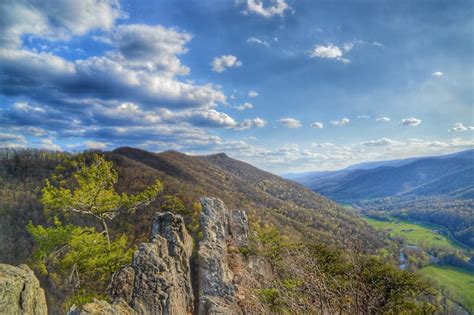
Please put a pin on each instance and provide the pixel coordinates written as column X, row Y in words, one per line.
column 216, row 288
column 20, row 292
column 160, row 282
column 121, row 285
column 239, row 227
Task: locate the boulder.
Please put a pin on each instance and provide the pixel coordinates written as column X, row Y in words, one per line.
column 20, row 292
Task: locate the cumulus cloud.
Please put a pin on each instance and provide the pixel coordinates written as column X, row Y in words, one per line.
column 152, row 47
column 56, row 19
column 379, row 142
column 317, row 125
column 276, row 7
column 410, row 121
column 383, row 119
column 244, row 106
column 252, row 94
column 47, row 77
column 96, row 145
column 344, row 121
column 458, row 127
column 258, row 41
column 49, row 144
column 10, row 140
column 331, row 52
column 438, row 74
column 220, row 64
column 249, row 123
column 290, row 122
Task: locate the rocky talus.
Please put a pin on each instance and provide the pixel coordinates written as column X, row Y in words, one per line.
column 20, row 292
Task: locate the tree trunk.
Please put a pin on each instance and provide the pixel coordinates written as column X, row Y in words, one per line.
column 106, row 230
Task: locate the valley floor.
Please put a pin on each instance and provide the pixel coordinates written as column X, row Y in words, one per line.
column 457, row 284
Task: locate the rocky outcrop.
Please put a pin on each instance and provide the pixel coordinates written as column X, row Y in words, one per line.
column 158, row 281
column 20, row 292
column 239, row 227
column 162, row 279
column 216, row 288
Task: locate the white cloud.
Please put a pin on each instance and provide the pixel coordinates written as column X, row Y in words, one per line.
column 379, row 142
column 290, row 122
column 410, row 121
column 220, row 64
column 254, row 40
column 25, row 107
column 347, row 46
column 344, row 121
column 438, row 74
column 277, row 7
column 331, row 52
column 458, row 127
column 96, row 145
column 252, row 93
column 49, row 144
column 56, row 19
column 317, row 125
column 151, row 47
column 249, row 123
column 363, row 117
column 10, row 140
column 383, row 119
column 244, row 106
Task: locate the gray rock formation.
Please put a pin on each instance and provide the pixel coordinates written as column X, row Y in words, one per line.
column 161, row 277
column 158, row 280
column 239, row 227
column 20, row 292
column 216, row 288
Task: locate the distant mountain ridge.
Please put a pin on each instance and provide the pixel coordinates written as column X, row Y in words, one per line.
column 446, row 175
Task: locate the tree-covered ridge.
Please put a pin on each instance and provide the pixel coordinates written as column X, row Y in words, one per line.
column 68, row 251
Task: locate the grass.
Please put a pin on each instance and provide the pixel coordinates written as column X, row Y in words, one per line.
column 421, row 235
column 457, row 284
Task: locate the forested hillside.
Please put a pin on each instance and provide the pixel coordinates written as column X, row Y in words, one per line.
column 288, row 222
column 436, row 189
column 293, row 208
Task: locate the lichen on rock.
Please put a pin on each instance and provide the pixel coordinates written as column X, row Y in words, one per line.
column 20, row 292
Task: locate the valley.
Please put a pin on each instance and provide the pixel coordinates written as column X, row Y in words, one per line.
column 422, row 247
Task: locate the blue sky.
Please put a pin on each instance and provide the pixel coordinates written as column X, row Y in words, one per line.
column 286, row 85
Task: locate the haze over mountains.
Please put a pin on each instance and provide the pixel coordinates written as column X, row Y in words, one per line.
column 436, row 189
column 446, row 175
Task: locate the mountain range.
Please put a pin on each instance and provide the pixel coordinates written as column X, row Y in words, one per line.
column 446, row 175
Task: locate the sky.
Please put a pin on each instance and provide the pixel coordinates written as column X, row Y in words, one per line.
column 286, row 85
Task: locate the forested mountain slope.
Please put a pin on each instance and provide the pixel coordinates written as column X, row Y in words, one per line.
column 438, row 189
column 425, row 177
column 295, row 210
